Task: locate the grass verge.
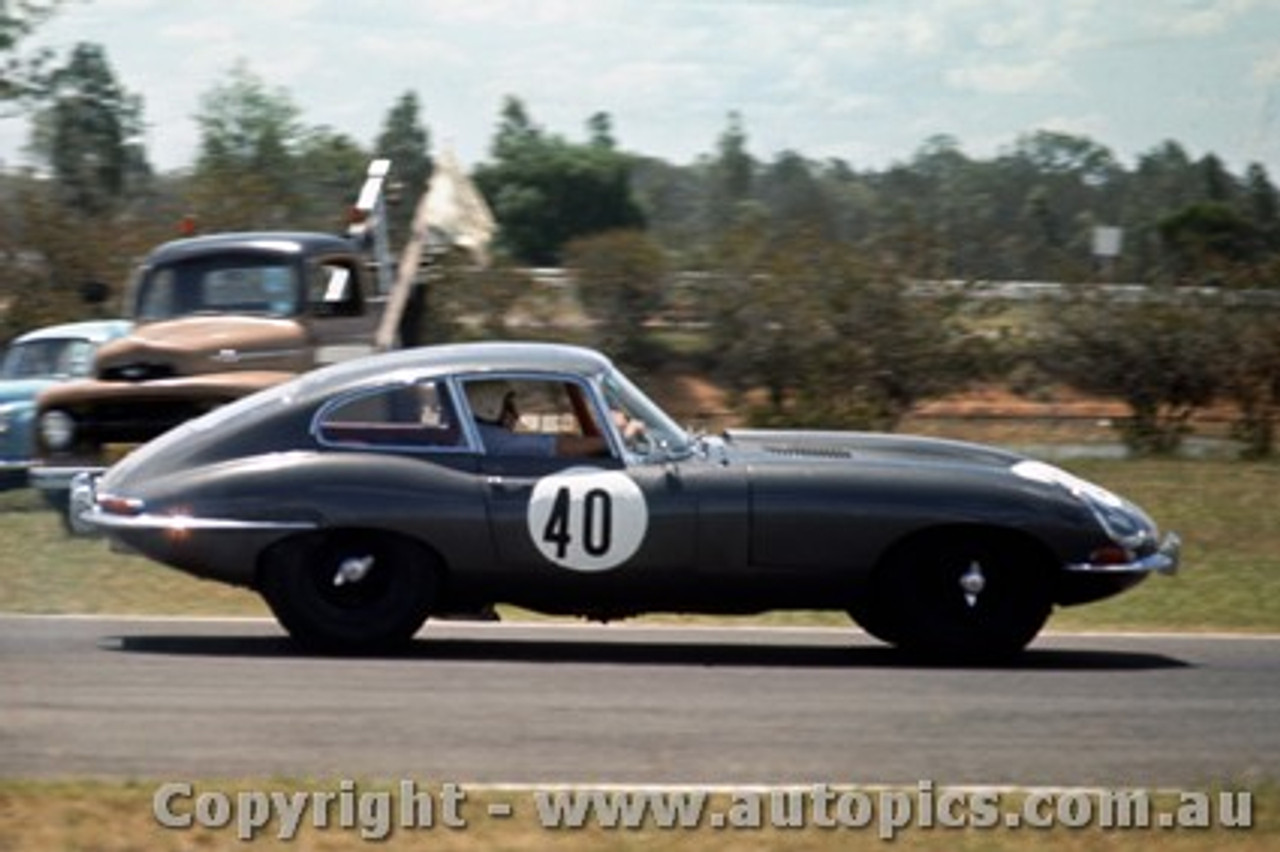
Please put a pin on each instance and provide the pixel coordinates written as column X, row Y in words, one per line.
column 1226, row 514
column 43, row 570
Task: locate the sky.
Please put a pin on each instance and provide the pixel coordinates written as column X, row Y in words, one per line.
column 865, row 81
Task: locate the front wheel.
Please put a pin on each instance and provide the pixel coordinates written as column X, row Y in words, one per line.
column 349, row 593
column 966, row 597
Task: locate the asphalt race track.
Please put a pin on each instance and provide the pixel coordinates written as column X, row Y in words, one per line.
column 531, row 704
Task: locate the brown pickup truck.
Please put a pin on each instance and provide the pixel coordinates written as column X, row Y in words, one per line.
column 216, row 318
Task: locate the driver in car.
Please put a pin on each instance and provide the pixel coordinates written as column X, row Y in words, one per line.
column 497, row 414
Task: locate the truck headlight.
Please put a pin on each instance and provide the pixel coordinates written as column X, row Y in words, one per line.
column 57, row 430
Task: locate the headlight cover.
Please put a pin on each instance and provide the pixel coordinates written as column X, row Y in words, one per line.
column 1124, row 522
column 57, row 430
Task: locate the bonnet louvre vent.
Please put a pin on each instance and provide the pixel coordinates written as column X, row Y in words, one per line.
column 809, row 452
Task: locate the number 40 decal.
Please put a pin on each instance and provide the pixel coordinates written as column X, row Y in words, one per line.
column 588, row 519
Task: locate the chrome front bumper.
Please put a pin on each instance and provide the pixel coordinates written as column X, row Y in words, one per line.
column 1166, row 559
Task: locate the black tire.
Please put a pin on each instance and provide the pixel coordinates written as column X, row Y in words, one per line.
column 963, row 597
column 874, row 616
column 386, row 591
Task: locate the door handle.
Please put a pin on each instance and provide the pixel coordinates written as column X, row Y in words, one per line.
column 502, row 486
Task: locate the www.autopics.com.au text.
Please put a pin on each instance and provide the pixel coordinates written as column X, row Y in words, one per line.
column 374, row 813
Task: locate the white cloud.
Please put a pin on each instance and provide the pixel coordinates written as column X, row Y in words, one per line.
column 921, row 35
column 1006, row 78
column 1203, row 17
column 1266, row 69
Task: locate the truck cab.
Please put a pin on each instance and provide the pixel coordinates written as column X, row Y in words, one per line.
column 215, row 318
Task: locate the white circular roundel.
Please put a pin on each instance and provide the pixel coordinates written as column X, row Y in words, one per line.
column 588, row 519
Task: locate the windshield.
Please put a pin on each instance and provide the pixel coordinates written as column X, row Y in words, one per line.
column 49, row 358
column 629, row 406
column 245, row 283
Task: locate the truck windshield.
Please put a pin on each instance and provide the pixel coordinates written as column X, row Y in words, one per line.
column 253, row 284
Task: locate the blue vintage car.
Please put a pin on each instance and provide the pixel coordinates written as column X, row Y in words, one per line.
column 33, row 362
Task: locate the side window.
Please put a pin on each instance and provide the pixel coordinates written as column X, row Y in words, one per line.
column 533, row 417
column 416, row 416
column 333, row 290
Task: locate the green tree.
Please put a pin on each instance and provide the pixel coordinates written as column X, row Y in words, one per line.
column 731, row 177
column 621, row 281
column 1219, row 186
column 945, row 203
column 249, row 135
column 600, row 132
column 1162, row 356
column 671, row 197
column 761, row 322
column 65, row 248
column 90, row 133
column 881, row 347
column 460, row 302
column 20, row 75
column 516, row 131
column 1252, row 376
column 832, row 340
column 794, row 197
column 1263, row 205
column 1165, row 181
column 1207, row 239
column 1081, row 159
column 406, row 142
column 545, row 191
column 329, row 169
column 1066, row 178
column 94, row 216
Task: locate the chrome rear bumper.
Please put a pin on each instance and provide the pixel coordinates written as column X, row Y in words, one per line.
column 58, row 478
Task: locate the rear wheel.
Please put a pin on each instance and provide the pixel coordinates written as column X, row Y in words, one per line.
column 960, row 596
column 349, row 592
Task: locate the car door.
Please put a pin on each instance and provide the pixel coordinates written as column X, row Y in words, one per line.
column 593, row 525
column 590, row 516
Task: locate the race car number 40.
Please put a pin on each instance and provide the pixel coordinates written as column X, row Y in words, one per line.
column 587, row 519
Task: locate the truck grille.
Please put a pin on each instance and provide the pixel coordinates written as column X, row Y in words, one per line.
column 137, row 423
column 137, row 372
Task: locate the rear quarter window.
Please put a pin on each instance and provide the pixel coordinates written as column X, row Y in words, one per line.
column 418, row 416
